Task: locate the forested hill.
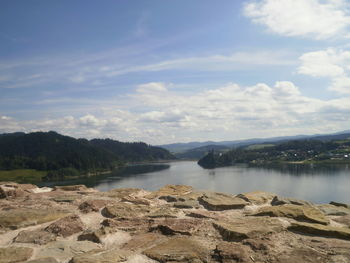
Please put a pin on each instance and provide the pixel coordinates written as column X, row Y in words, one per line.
column 133, row 151
column 53, row 151
column 303, row 151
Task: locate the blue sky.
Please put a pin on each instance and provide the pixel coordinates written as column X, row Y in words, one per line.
column 166, row 71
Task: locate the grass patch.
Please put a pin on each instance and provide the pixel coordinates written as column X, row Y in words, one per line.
column 22, row 175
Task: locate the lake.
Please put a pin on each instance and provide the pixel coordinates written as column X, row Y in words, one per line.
column 316, row 183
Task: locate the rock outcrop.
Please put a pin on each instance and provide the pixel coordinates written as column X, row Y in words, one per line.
column 76, row 224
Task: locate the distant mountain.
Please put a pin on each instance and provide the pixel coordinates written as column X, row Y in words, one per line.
column 53, row 151
column 199, row 152
column 183, row 147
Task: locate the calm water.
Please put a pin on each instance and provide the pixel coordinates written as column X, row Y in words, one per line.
column 319, row 184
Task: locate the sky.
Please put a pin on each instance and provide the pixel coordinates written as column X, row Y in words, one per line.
column 165, row 71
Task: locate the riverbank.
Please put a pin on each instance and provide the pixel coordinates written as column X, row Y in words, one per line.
column 175, row 223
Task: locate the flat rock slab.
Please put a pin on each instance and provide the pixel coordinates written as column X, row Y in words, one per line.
column 297, row 212
column 22, row 217
column 15, row 254
column 345, row 220
column 122, row 192
column 320, row 230
column 124, row 210
column 78, row 187
column 66, row 226
column 166, row 212
column 277, row 200
column 183, row 226
column 43, row 260
column 220, row 201
column 143, row 241
column 93, row 205
column 231, row 252
column 332, row 210
column 102, row 256
column 62, row 251
column 187, row 204
column 304, row 255
column 257, row 197
column 178, row 250
column 340, row 204
column 171, row 190
column 249, row 227
column 129, row 225
column 39, row 237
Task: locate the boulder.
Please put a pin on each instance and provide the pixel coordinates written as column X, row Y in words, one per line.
column 96, row 236
column 183, row 226
column 22, row 217
column 124, row 210
column 39, row 237
column 231, row 252
column 257, row 197
column 102, row 256
column 320, row 230
column 15, row 254
column 66, row 226
column 178, row 250
column 332, row 210
column 297, row 212
column 249, row 227
column 63, row 251
column 277, row 200
column 220, row 201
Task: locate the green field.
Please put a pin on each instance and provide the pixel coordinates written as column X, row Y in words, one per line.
column 22, row 175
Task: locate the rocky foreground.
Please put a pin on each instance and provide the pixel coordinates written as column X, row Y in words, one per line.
column 174, row 224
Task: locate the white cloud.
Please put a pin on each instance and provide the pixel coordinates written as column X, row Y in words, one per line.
column 318, row 19
column 223, row 113
column 331, row 63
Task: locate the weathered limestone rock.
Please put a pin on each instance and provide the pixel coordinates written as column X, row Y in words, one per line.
column 136, row 224
column 167, row 212
column 122, row 192
column 201, row 214
column 66, row 226
column 249, row 227
column 135, row 200
column 22, row 217
column 143, row 241
column 257, row 197
column 78, row 187
column 188, row 204
column 39, row 237
column 124, row 210
column 340, row 204
column 102, row 256
column 62, row 251
column 170, row 191
column 220, row 201
column 178, row 250
column 96, row 236
column 183, row 226
column 332, row 210
column 66, row 198
column 93, row 205
column 321, row 230
column 231, row 252
column 304, row 255
column 343, row 220
column 277, row 200
column 297, row 212
column 43, row 260
column 15, row 254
